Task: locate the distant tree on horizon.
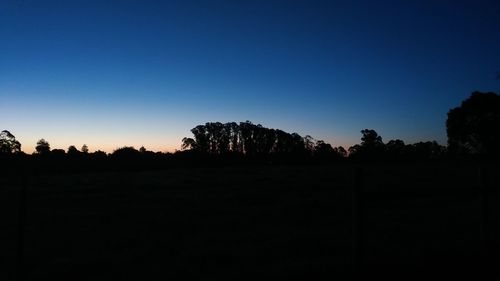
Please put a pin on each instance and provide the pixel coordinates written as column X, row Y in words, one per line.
column 99, row 154
column 126, row 152
column 371, row 147
column 42, row 147
column 85, row 149
column 73, row 151
column 370, row 138
column 325, row 150
column 396, row 149
column 59, row 153
column 340, row 151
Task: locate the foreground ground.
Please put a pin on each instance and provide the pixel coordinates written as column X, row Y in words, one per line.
column 235, row 222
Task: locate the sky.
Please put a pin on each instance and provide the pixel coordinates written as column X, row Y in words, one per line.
column 143, row 73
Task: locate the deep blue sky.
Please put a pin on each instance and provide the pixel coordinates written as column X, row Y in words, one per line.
column 115, row 73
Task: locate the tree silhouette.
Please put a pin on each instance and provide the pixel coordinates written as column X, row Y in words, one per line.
column 309, row 144
column 325, row 151
column 85, row 149
column 201, row 139
column 322, row 148
column 371, row 146
column 8, row 143
column 188, row 143
column 99, row 155
column 42, row 147
column 340, row 151
column 427, row 150
column 58, row 153
column 73, row 151
column 126, row 152
column 396, row 149
column 298, row 144
column 472, row 127
column 371, row 139
column 246, row 139
column 235, row 137
column 354, row 150
column 283, row 142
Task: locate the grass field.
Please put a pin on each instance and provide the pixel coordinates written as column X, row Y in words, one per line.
column 236, row 222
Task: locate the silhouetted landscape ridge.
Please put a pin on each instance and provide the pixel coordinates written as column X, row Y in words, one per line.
column 242, row 198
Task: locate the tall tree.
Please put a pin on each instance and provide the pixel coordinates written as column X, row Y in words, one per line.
column 234, row 136
column 283, row 142
column 309, row 143
column 247, row 137
column 371, row 146
column 42, row 147
column 472, row 127
column 323, row 149
column 201, row 138
column 370, row 138
column 8, row 143
column 298, row 144
column 85, row 149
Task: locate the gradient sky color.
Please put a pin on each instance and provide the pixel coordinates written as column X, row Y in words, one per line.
column 116, row 73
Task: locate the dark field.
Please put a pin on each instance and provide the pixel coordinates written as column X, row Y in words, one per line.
column 238, row 222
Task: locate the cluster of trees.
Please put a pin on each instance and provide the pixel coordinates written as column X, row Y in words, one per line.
column 8, row 143
column 472, row 128
column 253, row 140
column 372, row 147
column 59, row 160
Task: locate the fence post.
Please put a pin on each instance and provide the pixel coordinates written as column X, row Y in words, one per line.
column 358, row 221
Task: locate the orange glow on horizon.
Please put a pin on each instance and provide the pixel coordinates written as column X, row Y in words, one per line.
column 107, row 149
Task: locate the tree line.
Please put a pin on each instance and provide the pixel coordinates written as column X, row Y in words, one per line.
column 254, row 140
column 472, row 130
